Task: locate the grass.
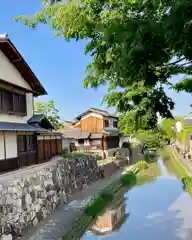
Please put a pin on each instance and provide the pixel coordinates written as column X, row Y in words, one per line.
column 172, row 154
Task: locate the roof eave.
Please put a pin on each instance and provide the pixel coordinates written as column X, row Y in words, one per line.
column 37, row 92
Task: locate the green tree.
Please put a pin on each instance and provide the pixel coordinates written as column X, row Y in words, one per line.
column 50, row 111
column 136, row 47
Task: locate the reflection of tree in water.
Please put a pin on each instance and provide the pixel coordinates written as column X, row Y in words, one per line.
column 172, row 168
column 149, row 175
column 112, row 219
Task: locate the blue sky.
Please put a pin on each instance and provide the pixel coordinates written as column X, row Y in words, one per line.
column 59, row 65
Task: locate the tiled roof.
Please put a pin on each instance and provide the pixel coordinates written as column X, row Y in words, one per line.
column 8, row 126
column 96, row 110
column 38, row 118
column 74, row 133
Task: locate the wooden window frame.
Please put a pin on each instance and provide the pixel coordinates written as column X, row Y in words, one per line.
column 19, row 109
column 24, row 142
column 28, row 142
column 115, row 124
column 106, row 123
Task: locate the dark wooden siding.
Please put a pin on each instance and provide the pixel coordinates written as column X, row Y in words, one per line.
column 48, row 148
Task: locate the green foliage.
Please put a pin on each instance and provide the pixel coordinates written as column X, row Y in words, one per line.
column 183, row 136
column 173, row 165
column 50, row 111
column 187, row 181
column 142, row 165
column 129, row 179
column 187, row 184
column 99, row 204
column 152, row 138
column 136, row 47
column 167, row 125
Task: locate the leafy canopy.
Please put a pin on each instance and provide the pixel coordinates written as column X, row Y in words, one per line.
column 136, row 46
column 50, row 111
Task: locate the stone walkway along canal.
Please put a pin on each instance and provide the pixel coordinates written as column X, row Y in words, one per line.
column 157, row 208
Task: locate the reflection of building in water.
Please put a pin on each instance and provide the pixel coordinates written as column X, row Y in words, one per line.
column 111, row 220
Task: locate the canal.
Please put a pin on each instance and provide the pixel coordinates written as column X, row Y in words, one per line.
column 156, row 208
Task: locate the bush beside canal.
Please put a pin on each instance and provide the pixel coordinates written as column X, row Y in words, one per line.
column 187, row 184
column 142, row 165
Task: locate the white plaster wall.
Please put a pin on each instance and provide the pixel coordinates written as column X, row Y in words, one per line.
column 9, row 73
column 11, row 144
column 20, row 119
column 2, row 156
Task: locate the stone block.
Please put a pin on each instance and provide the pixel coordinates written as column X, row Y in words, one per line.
column 28, row 200
column 6, row 237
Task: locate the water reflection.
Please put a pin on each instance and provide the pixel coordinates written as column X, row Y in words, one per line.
column 157, row 208
column 112, row 219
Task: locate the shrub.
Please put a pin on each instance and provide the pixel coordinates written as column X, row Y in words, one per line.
column 129, row 179
column 187, row 181
column 142, row 165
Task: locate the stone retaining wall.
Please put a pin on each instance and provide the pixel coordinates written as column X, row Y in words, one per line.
column 29, row 198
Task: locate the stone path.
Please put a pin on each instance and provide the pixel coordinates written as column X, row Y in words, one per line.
column 59, row 222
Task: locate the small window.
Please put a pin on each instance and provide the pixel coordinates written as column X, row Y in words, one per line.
column 106, row 123
column 25, row 143
column 115, row 124
column 21, row 143
column 30, row 142
column 81, row 141
column 19, row 103
column 7, row 101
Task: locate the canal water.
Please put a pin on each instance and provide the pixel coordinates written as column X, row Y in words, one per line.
column 157, row 208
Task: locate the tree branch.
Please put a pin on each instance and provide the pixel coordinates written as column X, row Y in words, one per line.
column 173, row 63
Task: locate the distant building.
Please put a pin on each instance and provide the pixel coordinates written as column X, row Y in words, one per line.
column 96, row 131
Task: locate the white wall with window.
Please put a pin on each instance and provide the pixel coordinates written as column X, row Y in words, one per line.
column 110, row 123
column 15, row 107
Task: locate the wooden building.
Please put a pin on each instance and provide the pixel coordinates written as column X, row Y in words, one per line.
column 95, row 131
column 25, row 138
